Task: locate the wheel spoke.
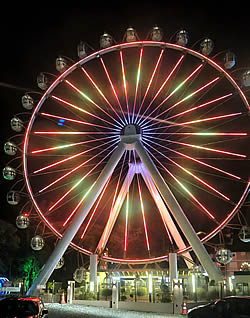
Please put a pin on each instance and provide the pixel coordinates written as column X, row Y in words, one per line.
column 125, row 85
column 101, row 93
column 137, row 83
column 211, row 216
column 93, row 103
column 113, row 89
column 78, row 182
column 149, row 84
column 158, row 92
column 194, row 159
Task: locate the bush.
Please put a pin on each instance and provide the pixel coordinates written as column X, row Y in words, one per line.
column 141, row 291
column 166, row 299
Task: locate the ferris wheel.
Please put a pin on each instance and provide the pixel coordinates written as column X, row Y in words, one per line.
column 136, row 148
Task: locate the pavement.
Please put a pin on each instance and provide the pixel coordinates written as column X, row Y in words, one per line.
column 74, row 311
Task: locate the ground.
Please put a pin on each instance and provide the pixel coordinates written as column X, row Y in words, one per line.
column 74, row 311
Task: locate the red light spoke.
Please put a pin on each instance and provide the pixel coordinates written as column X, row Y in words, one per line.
column 101, row 93
column 193, row 175
column 78, row 121
column 74, row 133
column 199, row 133
column 142, row 209
column 113, row 88
column 182, row 100
column 208, row 119
column 126, row 224
column 79, row 166
column 137, row 82
column 194, row 121
column 76, row 184
column 160, row 89
column 68, row 158
column 70, row 145
column 124, row 84
column 143, row 213
column 80, row 109
column 204, row 148
column 209, row 149
column 190, row 173
column 150, row 82
column 77, row 206
column 93, row 103
column 95, row 209
column 183, row 187
column 200, row 106
column 193, row 159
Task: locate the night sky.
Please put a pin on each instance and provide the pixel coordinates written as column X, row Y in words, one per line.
column 32, row 37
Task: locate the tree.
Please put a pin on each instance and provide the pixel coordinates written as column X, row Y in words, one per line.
column 9, row 245
column 28, row 269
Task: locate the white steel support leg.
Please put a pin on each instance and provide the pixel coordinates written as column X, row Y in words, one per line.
column 173, row 273
column 167, row 219
column 116, row 208
column 77, row 220
column 178, row 214
column 93, row 273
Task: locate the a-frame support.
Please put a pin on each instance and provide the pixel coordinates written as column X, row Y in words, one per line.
column 130, row 140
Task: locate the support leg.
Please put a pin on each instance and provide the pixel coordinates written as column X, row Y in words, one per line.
column 178, row 214
column 93, row 273
column 77, row 220
column 165, row 214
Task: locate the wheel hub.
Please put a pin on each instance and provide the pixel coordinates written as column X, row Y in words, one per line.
column 129, row 135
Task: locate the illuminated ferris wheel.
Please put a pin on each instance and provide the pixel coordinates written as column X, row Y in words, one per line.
column 136, row 148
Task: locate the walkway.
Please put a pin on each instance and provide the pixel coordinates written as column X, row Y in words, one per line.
column 74, row 311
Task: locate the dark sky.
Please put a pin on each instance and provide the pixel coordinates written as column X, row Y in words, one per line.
column 32, row 37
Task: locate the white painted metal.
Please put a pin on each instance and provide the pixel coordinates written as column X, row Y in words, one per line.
column 167, row 219
column 93, row 272
column 173, row 274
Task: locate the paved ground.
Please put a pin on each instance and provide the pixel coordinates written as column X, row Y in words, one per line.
column 75, row 311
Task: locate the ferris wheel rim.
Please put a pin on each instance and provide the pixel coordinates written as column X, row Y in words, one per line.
column 97, row 55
